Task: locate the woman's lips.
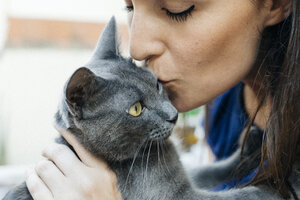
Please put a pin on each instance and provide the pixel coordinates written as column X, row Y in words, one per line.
column 165, row 83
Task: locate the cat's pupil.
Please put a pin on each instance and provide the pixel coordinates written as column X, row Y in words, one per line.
column 136, row 108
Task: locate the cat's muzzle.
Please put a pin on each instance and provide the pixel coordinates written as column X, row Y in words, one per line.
column 160, row 133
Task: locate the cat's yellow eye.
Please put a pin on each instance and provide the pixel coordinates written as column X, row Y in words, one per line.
column 136, row 109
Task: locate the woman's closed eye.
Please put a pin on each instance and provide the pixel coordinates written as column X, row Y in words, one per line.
column 180, row 16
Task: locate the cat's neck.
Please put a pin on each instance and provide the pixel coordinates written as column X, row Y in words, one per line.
column 155, row 153
column 156, row 168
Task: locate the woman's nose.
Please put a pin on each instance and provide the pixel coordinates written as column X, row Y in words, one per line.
column 145, row 37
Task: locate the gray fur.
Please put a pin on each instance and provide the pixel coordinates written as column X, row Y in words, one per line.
column 235, row 166
column 95, row 107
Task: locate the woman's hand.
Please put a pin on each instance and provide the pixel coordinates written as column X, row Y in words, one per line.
column 64, row 177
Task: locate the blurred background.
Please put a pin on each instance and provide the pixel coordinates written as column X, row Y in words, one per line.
column 41, row 43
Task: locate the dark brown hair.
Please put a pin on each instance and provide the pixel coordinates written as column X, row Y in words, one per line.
column 280, row 48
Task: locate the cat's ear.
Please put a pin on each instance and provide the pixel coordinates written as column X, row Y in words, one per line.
column 82, row 85
column 107, row 46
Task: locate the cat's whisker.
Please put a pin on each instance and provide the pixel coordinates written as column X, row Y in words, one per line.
column 165, row 147
column 167, row 152
column 143, row 157
column 158, row 154
column 162, row 149
column 131, row 167
column 145, row 177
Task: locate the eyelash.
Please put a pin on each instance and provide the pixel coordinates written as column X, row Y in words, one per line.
column 182, row 16
column 179, row 17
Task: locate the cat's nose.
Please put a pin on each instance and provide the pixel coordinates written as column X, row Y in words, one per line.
column 174, row 119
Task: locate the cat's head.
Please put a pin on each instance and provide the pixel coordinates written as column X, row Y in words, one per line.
column 113, row 106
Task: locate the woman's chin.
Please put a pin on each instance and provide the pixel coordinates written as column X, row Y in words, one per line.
column 180, row 106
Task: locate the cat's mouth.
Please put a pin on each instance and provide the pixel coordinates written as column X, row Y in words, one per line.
column 160, row 133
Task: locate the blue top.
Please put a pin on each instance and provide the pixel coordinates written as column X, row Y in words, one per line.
column 227, row 120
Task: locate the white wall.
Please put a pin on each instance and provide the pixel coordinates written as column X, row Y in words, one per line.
column 3, row 22
column 73, row 10
column 79, row 10
column 31, row 80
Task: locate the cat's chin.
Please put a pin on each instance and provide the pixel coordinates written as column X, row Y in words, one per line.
column 150, row 147
column 160, row 135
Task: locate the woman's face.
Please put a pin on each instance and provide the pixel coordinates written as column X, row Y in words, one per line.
column 200, row 52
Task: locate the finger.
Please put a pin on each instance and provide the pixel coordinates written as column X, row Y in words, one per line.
column 86, row 157
column 36, row 187
column 63, row 157
column 51, row 176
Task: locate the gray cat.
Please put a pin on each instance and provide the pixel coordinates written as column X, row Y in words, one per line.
column 120, row 113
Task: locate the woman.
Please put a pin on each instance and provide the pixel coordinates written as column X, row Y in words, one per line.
column 199, row 50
